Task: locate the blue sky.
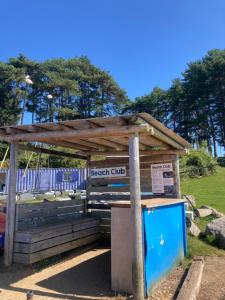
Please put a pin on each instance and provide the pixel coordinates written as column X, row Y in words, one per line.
column 142, row 43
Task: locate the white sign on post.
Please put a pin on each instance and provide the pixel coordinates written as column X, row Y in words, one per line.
column 108, row 172
column 161, row 176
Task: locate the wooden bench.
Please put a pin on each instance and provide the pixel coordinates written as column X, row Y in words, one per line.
column 46, row 229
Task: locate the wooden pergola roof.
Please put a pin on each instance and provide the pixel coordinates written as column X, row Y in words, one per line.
column 94, row 136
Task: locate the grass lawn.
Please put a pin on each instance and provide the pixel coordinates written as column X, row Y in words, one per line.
column 207, row 190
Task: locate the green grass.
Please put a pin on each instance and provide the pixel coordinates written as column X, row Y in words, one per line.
column 208, row 190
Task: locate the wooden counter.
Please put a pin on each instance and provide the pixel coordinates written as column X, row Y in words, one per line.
column 148, row 203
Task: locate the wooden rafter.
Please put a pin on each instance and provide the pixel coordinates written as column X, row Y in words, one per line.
column 51, row 152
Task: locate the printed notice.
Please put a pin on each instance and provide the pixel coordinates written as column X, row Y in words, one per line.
column 162, row 177
column 157, row 183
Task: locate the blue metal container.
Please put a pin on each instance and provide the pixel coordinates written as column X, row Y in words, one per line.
column 164, row 237
column 2, row 238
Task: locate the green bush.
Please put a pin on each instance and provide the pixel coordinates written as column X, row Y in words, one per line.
column 197, row 163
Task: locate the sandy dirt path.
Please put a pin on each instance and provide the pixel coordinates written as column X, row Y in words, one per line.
column 85, row 276
column 213, row 279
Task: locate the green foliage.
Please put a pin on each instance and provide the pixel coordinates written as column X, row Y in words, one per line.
column 79, row 89
column 198, row 163
column 194, row 104
column 36, row 160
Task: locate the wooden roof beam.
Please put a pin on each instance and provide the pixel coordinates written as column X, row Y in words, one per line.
column 83, row 133
column 142, row 152
column 51, row 152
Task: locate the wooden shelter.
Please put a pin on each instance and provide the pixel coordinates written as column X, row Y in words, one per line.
column 135, row 140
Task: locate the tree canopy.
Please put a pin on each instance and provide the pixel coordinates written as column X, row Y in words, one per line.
column 194, row 105
column 77, row 89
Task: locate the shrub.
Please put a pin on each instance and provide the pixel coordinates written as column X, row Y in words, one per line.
column 198, row 163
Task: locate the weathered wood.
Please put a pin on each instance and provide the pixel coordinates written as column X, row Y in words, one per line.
column 101, row 142
column 106, row 181
column 142, row 153
column 109, row 189
column 169, row 133
column 81, row 133
column 54, row 241
column 192, row 282
column 11, row 206
column 135, row 198
column 120, row 189
column 100, row 213
column 53, row 208
column 51, row 152
column 124, row 161
column 177, row 177
column 41, row 221
column 29, row 259
column 50, row 231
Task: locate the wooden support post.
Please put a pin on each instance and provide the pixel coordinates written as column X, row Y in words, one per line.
column 87, row 184
column 11, row 206
column 135, row 198
column 177, row 177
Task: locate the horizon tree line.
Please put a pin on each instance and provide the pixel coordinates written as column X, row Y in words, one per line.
column 193, row 106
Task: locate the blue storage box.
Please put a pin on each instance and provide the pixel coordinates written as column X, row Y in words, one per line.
column 164, row 241
column 2, row 238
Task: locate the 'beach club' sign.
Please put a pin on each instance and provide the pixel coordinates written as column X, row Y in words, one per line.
column 108, row 172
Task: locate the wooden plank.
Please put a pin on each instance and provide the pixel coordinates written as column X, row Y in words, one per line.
column 111, row 162
column 29, row 259
column 48, row 211
column 146, row 187
column 105, row 228
column 152, row 121
column 103, row 142
column 48, row 232
column 161, row 151
column 54, row 241
column 109, row 189
column 51, row 152
column 90, row 144
column 37, row 222
column 135, row 199
column 106, row 236
column 106, row 181
column 11, row 206
column 105, row 221
column 26, row 210
column 120, row 197
column 100, row 213
column 192, row 282
column 177, row 177
column 82, row 133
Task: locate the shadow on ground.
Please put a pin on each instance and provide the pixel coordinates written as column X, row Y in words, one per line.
column 89, row 278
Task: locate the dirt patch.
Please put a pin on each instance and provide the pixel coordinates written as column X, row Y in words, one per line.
column 213, row 279
column 75, row 276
